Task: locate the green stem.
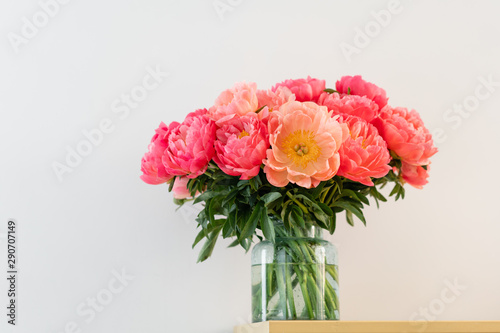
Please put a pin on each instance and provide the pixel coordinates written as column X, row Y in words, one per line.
column 289, row 294
column 281, row 290
column 330, row 197
column 323, row 195
column 304, row 208
column 303, row 287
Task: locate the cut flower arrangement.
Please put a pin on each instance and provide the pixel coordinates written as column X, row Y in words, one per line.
column 279, row 165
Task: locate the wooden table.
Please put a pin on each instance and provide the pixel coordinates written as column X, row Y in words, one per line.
column 298, row 326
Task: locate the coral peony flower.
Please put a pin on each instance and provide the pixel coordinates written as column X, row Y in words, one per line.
column 364, row 153
column 274, row 99
column 239, row 100
column 241, row 146
column 355, row 85
column 153, row 171
column 190, row 146
column 305, row 90
column 405, row 134
column 180, row 189
column 416, row 176
column 305, row 140
column 353, row 105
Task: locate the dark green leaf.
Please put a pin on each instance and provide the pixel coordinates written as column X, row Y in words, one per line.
column 206, row 196
column 251, row 223
column 318, row 189
column 202, row 218
column 395, row 190
column 330, row 91
column 267, row 226
column 328, row 211
column 270, row 197
column 296, row 217
column 211, row 210
column 242, row 183
column 171, row 184
column 230, row 196
column 259, row 109
column 246, row 244
column 363, row 198
column 348, row 216
column 285, row 213
column 227, row 230
column 354, row 210
column 199, row 237
column 208, row 246
column 333, row 224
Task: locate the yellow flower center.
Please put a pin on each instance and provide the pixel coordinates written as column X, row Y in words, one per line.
column 301, row 147
column 242, row 134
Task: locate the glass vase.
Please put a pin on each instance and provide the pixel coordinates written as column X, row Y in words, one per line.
column 296, row 277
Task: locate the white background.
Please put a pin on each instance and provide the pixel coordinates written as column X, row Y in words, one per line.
column 102, row 218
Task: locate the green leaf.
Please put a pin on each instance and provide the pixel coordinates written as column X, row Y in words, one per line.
column 318, row 189
column 227, row 229
column 199, row 237
column 395, row 190
column 355, row 195
column 377, row 195
column 348, row 216
column 251, row 223
column 330, row 91
column 285, row 213
column 230, row 196
column 333, row 224
column 267, row 226
column 259, row 109
column 321, row 217
column 296, row 217
column 211, row 210
column 234, row 243
column 363, row 198
column 242, row 183
column 205, row 196
column 202, row 218
column 171, row 184
column 328, row 211
column 255, row 183
column 354, row 210
column 270, row 197
column 208, row 246
column 246, row 244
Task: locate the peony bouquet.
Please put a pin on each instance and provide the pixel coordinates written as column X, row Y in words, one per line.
column 270, row 163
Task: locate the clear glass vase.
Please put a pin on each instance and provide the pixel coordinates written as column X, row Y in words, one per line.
column 296, row 277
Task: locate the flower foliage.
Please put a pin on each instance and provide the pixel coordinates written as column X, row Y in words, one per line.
column 299, row 152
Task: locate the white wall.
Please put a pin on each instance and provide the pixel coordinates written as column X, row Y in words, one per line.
column 74, row 233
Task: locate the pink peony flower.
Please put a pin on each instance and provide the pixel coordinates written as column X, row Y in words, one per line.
column 416, row 176
column 364, row 153
column 305, row 140
column 180, row 188
column 153, row 171
column 305, row 90
column 239, row 100
column 353, row 105
column 241, row 146
column 274, row 99
column 190, row 146
column 405, row 134
column 355, row 85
